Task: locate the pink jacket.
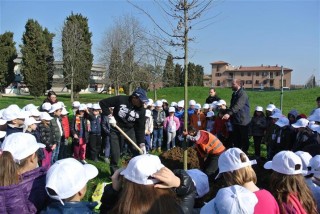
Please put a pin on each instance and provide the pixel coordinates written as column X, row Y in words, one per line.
column 175, row 119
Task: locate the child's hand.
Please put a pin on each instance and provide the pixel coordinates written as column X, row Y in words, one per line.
column 168, row 179
column 117, row 179
column 185, row 132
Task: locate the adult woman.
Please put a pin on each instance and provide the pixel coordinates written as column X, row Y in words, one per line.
column 51, row 98
column 146, row 188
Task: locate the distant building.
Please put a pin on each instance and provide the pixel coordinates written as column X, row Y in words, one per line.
column 260, row 77
column 97, row 78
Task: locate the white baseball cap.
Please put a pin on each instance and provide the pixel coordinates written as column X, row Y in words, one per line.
column 285, row 162
column 302, row 122
column 29, row 107
column 76, row 104
column 314, row 164
column 45, row 116
column 67, row 177
column 21, row 145
column 159, row 103
column 2, row 134
column 231, row 200
column 82, row 107
column 141, row 167
column 197, row 106
column 173, row 104
column 29, row 121
column 230, row 160
column 206, row 106
column 46, row 106
column 164, row 101
column 315, row 116
column 96, row 106
column 305, row 159
column 12, row 113
column 283, row 121
column 259, row 108
column 150, row 102
column 64, row 111
column 192, row 102
column 277, row 115
column 34, row 112
column 214, row 104
column 148, row 113
column 89, row 105
column 2, row 122
column 221, row 102
column 55, row 107
column 210, row 114
column 172, row 109
column 62, row 104
column 294, row 112
column 276, row 110
column 200, row 180
column 181, row 104
column 270, row 107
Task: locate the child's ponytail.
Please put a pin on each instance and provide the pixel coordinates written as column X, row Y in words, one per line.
column 8, row 170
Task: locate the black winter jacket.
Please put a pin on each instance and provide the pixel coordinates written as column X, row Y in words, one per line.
column 240, row 108
column 70, row 208
column 126, row 115
column 185, row 192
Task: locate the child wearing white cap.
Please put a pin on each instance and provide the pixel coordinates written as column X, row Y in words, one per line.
column 303, row 134
column 235, row 167
column 15, row 119
column 231, row 200
column 22, row 182
column 158, row 119
column 146, row 186
column 171, row 126
column 257, row 128
column 198, row 118
column 56, row 129
column 66, row 131
column 148, row 130
column 46, row 138
column 295, row 196
column 312, row 177
column 94, row 144
column 67, row 183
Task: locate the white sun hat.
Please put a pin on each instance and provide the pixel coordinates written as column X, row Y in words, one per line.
column 55, row 107
column 210, row 114
column 206, row 106
column 172, row 109
column 21, row 145
column 259, row 108
column 192, row 102
column 221, row 102
column 200, row 180
column 231, row 200
column 285, row 162
column 45, row 116
column 302, row 122
column 141, row 168
column 270, row 107
column 283, row 121
column 305, row 159
column 46, row 106
column 67, row 177
column 230, row 160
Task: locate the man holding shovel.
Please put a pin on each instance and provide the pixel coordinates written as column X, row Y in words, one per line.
column 128, row 117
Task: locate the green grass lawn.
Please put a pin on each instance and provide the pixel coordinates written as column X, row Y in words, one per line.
column 302, row 100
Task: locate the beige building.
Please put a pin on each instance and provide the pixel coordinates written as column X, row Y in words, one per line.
column 260, row 77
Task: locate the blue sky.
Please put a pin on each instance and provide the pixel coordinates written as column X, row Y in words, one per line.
column 247, row 33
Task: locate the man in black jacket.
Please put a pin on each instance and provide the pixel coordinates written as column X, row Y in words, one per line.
column 212, row 96
column 129, row 113
column 239, row 112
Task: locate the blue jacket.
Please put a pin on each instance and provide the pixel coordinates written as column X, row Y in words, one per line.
column 11, row 130
column 29, row 196
column 95, row 124
column 70, row 208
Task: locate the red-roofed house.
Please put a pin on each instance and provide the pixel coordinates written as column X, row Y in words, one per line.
column 251, row 76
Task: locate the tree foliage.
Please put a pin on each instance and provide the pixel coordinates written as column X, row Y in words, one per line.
column 49, row 57
column 168, row 72
column 178, row 75
column 77, row 56
column 34, row 58
column 8, row 54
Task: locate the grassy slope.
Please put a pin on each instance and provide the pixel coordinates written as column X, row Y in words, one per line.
column 302, row 100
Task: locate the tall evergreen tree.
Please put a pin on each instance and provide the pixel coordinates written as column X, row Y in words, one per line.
column 178, row 75
column 77, row 56
column 199, row 75
column 115, row 68
column 192, row 74
column 34, row 55
column 168, row 72
column 129, row 68
column 8, row 54
column 49, row 57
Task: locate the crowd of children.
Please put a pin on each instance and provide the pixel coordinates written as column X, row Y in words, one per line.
column 37, row 173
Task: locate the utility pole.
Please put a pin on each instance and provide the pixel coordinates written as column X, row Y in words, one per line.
column 281, row 96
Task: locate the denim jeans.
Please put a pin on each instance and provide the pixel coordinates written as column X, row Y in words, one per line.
column 157, row 138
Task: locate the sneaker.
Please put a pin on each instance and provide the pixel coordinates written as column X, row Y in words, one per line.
column 107, row 160
column 159, row 149
column 83, row 161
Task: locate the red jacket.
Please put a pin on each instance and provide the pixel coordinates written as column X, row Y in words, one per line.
column 65, row 126
column 220, row 127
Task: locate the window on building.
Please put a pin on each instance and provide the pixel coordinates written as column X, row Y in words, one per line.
column 248, row 81
column 218, row 68
column 218, row 83
column 249, row 74
column 257, row 74
column 265, row 82
column 257, row 82
column 242, row 74
column 278, row 74
column 242, row 82
column 218, row 75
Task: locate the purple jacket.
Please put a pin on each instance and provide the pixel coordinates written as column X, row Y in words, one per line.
column 29, row 196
